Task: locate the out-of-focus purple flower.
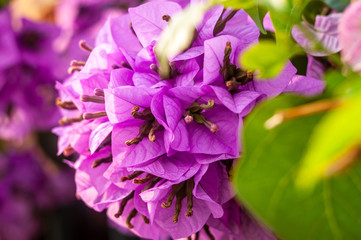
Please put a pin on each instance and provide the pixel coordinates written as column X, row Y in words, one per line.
column 27, row 75
column 27, row 187
column 9, row 53
column 310, row 84
column 156, row 153
column 321, row 39
column 349, row 34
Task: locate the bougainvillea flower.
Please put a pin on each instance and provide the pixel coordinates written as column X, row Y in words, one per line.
column 324, row 32
column 156, row 151
column 349, row 35
column 310, row 84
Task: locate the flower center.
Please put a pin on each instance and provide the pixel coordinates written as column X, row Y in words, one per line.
column 194, row 113
column 180, row 191
column 148, row 128
column 151, row 181
column 233, row 76
column 31, row 40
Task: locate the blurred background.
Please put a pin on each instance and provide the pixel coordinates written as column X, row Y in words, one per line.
column 39, row 39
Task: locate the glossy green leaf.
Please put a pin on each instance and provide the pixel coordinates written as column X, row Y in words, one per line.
column 338, row 5
column 265, row 181
column 265, row 57
column 333, row 139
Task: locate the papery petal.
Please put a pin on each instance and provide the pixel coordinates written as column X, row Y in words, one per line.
column 273, row 87
column 121, row 77
column 98, row 135
column 186, row 226
column 147, row 19
column 241, row 102
column 141, row 153
column 140, row 228
column 214, row 54
column 306, row 86
column 324, row 31
column 171, row 168
column 239, row 27
column 117, row 31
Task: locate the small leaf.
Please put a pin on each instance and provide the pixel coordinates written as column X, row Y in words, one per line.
column 266, row 57
column 237, row 4
column 257, row 13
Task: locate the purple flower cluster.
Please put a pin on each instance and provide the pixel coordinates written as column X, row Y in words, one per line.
column 157, row 153
column 27, row 73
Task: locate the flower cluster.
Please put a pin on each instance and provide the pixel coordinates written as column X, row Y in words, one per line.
column 157, row 153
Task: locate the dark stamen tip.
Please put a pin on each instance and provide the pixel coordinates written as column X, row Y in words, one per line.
column 250, row 76
column 166, row 18
column 129, row 143
column 146, row 220
column 131, row 215
column 68, row 105
column 151, row 137
column 139, row 181
column 72, row 69
column 123, row 179
column 99, row 92
column 154, row 68
column 117, row 215
column 94, row 99
column 189, row 213
column 175, row 219
column 91, row 116
column 75, row 63
column 166, row 204
column 135, row 111
column 209, row 105
column 95, row 164
column 133, row 141
column 68, row 151
column 84, row 46
column 126, row 65
column 66, row 120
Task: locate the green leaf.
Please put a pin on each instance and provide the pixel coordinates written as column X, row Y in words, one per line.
column 334, row 138
column 257, row 13
column 237, row 4
column 265, row 181
column 266, row 57
column 3, row 3
column 338, row 5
